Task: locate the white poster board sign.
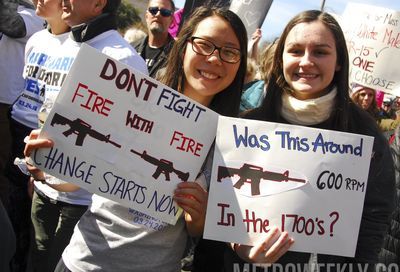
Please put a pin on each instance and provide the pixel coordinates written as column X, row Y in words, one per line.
column 373, row 42
column 125, row 136
column 309, row 182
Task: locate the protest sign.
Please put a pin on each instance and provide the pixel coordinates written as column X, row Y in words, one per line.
column 125, row 136
column 373, row 42
column 191, row 5
column 308, row 182
column 252, row 13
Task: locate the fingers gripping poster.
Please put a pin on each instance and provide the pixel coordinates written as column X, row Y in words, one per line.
column 308, row 182
column 125, row 136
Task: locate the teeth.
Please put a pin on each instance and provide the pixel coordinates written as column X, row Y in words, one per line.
column 307, row 75
column 208, row 75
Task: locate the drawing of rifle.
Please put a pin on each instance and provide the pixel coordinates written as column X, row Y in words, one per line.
column 81, row 129
column 253, row 174
column 163, row 166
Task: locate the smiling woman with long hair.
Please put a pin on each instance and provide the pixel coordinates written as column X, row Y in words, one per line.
column 308, row 86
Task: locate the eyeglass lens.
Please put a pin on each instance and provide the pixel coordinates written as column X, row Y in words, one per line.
column 206, row 48
column 164, row 12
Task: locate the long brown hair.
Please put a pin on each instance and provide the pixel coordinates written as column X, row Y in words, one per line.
column 373, row 108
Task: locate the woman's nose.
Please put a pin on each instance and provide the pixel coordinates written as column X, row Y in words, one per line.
column 306, row 60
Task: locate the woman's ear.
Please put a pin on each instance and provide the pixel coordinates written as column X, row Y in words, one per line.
column 99, row 6
column 338, row 67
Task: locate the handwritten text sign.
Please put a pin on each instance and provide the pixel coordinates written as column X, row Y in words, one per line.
column 309, row 182
column 252, row 13
column 373, row 42
column 125, row 136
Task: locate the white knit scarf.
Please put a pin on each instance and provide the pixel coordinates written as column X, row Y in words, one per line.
column 307, row 112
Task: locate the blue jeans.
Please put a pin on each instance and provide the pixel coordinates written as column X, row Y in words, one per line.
column 54, row 223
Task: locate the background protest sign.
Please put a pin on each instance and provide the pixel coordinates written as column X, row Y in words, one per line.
column 309, row 182
column 373, row 42
column 125, row 136
column 252, row 13
column 191, row 5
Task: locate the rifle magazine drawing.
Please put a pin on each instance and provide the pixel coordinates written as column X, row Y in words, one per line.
column 164, row 166
column 81, row 129
column 253, row 174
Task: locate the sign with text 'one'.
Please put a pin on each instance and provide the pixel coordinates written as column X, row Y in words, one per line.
column 308, row 182
column 373, row 42
column 125, row 136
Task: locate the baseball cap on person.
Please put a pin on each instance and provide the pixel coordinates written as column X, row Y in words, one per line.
column 387, row 103
column 388, row 99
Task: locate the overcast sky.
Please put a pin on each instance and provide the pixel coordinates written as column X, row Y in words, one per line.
column 282, row 10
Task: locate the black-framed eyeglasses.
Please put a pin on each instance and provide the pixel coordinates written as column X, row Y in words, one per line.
column 164, row 12
column 206, row 48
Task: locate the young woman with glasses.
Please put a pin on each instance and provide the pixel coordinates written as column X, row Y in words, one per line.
column 207, row 64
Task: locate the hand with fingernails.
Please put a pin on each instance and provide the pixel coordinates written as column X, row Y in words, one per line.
column 267, row 250
column 33, row 143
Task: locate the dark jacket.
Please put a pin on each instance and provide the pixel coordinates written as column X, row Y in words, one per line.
column 140, row 46
column 390, row 252
column 7, row 238
column 378, row 203
column 96, row 26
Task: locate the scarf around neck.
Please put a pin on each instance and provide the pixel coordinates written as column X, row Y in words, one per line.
column 89, row 30
column 310, row 111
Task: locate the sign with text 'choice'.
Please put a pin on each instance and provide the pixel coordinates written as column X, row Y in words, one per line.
column 308, row 182
column 125, row 136
column 373, row 42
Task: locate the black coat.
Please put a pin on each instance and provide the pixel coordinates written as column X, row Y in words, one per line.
column 160, row 62
column 378, row 203
column 7, row 238
column 390, row 252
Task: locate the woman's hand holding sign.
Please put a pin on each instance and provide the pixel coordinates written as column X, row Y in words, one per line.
column 192, row 198
column 33, row 143
column 268, row 250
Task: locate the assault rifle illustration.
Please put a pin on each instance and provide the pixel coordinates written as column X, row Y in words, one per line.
column 253, row 174
column 163, row 166
column 81, row 129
